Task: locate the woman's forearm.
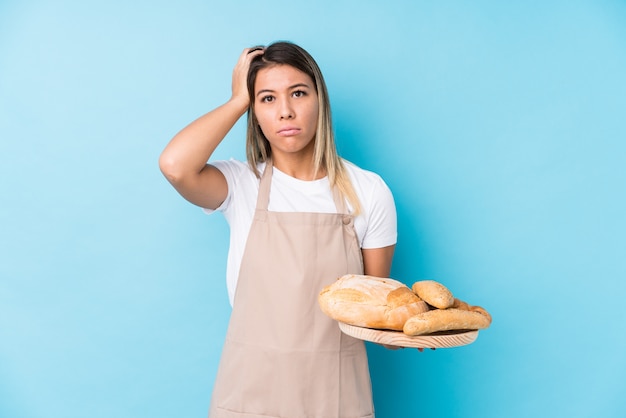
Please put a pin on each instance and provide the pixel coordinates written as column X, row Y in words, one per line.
column 188, row 152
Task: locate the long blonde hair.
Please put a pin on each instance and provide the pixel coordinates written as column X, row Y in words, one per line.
column 325, row 156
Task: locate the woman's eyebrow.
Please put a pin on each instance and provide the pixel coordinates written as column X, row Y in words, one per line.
column 288, row 88
column 299, row 85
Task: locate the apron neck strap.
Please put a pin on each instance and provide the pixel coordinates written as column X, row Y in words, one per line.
column 266, row 183
column 264, row 186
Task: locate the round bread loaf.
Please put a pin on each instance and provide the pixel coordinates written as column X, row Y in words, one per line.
column 371, row 302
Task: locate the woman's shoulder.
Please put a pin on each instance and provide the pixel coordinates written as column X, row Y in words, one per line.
column 362, row 177
column 243, row 185
column 234, row 169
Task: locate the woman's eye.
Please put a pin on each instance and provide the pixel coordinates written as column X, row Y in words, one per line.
column 299, row 93
column 267, row 99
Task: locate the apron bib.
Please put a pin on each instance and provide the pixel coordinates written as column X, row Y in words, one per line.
column 282, row 356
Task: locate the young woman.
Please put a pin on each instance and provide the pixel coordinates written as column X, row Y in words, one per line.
column 300, row 217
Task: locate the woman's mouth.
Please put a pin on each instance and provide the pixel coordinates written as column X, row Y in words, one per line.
column 289, row 131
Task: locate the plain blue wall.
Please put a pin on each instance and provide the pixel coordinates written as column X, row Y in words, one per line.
column 498, row 125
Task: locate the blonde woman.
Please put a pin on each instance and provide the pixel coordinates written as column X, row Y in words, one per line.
column 300, row 216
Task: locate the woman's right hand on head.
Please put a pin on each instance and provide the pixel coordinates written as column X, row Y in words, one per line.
column 184, row 159
column 240, row 74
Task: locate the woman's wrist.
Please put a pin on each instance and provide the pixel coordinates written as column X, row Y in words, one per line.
column 239, row 103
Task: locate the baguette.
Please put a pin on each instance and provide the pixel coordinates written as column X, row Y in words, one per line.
column 459, row 304
column 445, row 320
column 433, row 293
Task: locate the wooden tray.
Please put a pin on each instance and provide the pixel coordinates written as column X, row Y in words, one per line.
column 444, row 339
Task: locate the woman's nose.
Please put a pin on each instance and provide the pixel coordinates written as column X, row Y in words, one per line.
column 286, row 111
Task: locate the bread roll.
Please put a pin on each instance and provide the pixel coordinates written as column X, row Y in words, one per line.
column 445, row 320
column 434, row 293
column 371, row 302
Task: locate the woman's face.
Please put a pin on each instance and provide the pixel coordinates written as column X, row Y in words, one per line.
column 286, row 108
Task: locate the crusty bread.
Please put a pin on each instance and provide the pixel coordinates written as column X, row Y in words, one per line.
column 459, row 304
column 483, row 312
column 434, row 293
column 445, row 320
column 370, row 302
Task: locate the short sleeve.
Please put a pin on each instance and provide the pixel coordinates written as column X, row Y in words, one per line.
column 381, row 217
column 232, row 170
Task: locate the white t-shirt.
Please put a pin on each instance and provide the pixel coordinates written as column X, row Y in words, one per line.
column 376, row 226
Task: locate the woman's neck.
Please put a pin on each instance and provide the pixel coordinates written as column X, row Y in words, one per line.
column 297, row 166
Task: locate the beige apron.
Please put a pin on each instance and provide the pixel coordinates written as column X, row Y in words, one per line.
column 282, row 356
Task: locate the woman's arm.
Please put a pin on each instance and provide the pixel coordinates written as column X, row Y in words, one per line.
column 377, row 261
column 184, row 159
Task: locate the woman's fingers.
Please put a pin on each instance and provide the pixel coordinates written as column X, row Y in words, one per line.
column 240, row 73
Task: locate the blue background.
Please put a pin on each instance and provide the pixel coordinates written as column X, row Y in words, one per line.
column 499, row 126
